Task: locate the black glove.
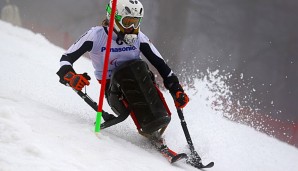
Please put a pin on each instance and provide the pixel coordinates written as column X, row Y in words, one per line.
column 63, row 71
column 172, row 84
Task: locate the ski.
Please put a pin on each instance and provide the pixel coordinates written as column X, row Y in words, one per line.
column 169, row 154
column 192, row 159
column 172, row 156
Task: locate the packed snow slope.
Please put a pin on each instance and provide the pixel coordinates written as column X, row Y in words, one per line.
column 46, row 126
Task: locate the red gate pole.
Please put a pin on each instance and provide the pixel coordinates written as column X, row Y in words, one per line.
column 105, row 69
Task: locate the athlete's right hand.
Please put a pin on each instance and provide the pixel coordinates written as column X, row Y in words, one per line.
column 77, row 81
column 181, row 99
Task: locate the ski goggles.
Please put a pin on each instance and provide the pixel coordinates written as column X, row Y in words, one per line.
column 127, row 21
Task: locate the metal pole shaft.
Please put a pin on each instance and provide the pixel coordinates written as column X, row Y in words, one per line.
column 88, row 100
column 185, row 130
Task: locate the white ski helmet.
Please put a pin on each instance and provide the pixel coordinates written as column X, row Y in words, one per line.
column 128, row 17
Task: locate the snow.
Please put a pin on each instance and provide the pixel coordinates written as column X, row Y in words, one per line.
column 46, row 126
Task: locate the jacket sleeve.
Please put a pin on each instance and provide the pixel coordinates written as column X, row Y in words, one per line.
column 81, row 46
column 154, row 57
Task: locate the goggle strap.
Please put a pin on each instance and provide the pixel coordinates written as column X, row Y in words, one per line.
column 109, row 10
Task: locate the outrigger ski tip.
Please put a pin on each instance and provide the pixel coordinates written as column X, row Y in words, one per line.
column 211, row 164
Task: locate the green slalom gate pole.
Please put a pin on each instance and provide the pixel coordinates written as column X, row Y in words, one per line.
column 105, row 69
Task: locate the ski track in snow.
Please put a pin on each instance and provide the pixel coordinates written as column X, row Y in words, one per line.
column 46, row 126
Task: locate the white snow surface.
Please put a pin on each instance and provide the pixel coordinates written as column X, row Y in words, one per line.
column 45, row 126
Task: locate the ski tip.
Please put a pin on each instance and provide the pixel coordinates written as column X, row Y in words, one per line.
column 211, row 164
column 178, row 157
